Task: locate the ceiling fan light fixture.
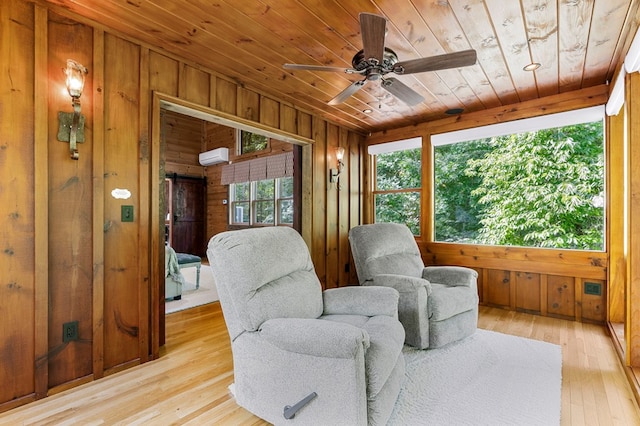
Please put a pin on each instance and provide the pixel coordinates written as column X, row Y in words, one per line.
column 532, row 66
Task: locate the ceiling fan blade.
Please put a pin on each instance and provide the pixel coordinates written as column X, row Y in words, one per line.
column 316, row 68
column 402, row 91
column 373, row 28
column 342, row 96
column 439, row 62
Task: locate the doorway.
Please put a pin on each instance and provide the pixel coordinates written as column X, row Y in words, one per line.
column 162, row 104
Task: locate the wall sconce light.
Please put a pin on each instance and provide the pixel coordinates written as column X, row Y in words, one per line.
column 334, row 174
column 71, row 124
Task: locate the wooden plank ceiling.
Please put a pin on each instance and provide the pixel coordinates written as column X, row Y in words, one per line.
column 579, row 44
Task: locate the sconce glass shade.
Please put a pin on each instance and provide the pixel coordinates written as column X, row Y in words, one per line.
column 339, row 154
column 75, row 78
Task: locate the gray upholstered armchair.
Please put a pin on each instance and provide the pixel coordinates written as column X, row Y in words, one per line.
column 438, row 304
column 332, row 357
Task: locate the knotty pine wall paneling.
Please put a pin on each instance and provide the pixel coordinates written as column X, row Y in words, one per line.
column 217, row 136
column 560, row 296
column 18, row 287
column 593, row 306
column 344, row 218
column 226, row 96
column 194, row 85
column 70, row 210
column 355, row 201
column 184, row 139
column 41, row 208
column 319, row 196
column 288, row 118
column 332, row 265
column 248, row 104
column 163, row 74
column 146, row 209
column 498, row 289
column 122, row 170
column 528, row 292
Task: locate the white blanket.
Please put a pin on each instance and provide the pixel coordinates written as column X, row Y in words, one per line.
column 171, row 267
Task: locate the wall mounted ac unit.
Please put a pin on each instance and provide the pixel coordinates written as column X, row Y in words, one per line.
column 215, row 156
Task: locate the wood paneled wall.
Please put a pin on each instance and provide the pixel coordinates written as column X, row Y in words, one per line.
column 183, row 142
column 217, row 136
column 540, row 281
column 66, row 255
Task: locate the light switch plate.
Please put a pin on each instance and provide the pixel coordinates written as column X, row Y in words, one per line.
column 127, row 214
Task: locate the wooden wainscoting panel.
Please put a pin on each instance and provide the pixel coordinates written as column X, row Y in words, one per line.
column 497, row 289
column 528, row 292
column 561, row 296
column 538, row 280
column 594, row 306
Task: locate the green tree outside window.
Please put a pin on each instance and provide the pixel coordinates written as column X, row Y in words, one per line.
column 533, row 189
column 397, row 192
column 252, row 142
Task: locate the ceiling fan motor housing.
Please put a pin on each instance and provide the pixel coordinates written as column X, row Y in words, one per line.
column 371, row 69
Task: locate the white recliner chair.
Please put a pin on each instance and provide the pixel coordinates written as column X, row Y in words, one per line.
column 438, row 304
column 302, row 355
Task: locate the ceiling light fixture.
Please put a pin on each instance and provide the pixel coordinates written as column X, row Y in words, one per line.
column 367, row 111
column 532, row 66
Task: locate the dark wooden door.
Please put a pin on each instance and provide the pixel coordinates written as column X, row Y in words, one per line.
column 189, row 215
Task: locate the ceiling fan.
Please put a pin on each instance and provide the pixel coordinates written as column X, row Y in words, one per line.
column 375, row 60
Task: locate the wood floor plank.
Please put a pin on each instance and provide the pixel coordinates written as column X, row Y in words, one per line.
column 188, row 384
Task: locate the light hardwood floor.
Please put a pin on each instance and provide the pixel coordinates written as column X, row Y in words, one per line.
column 188, row 383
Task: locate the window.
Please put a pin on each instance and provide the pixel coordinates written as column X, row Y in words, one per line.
column 541, row 187
column 240, row 203
column 249, row 142
column 263, row 202
column 397, row 180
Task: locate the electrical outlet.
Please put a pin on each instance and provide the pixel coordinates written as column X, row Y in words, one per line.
column 70, row 331
column 126, row 213
column 593, row 288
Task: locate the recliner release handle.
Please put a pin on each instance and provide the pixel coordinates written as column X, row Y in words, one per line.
column 290, row 411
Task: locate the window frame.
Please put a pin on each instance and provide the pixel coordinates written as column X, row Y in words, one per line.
column 543, row 122
column 253, row 200
column 395, row 146
column 239, row 146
